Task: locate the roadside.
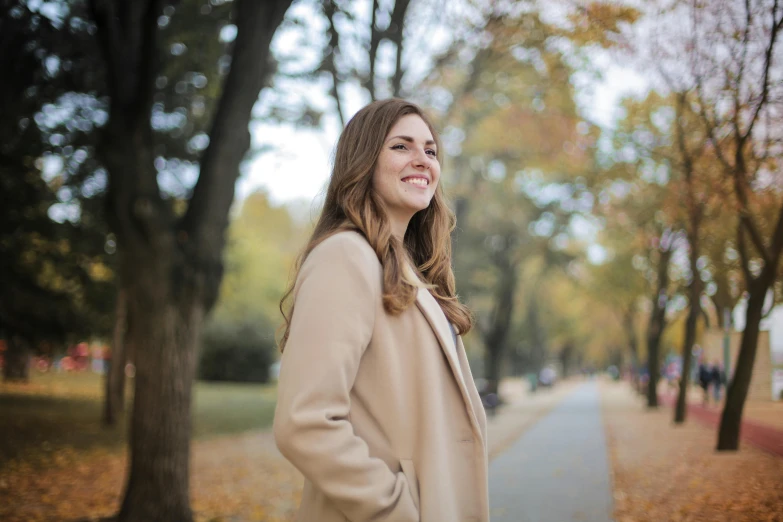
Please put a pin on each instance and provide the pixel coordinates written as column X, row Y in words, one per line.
column 764, row 412
column 673, row 473
column 237, row 477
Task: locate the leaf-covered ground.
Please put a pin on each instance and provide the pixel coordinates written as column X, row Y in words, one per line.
column 234, row 478
column 660, row 473
column 673, row 474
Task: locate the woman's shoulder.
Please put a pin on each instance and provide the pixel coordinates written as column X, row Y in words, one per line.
column 347, row 245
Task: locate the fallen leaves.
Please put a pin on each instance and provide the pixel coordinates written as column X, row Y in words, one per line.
column 233, row 478
column 667, row 473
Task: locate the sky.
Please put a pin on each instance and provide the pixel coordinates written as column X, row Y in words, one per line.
column 299, row 165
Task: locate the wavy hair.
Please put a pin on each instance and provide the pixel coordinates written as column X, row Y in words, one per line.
column 352, row 204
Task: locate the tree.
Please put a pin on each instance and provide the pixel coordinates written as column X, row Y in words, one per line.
column 516, row 117
column 618, row 285
column 263, row 243
column 170, row 265
column 55, row 275
column 637, row 201
column 735, row 57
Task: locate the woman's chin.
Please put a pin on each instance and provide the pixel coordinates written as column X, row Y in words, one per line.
column 418, row 204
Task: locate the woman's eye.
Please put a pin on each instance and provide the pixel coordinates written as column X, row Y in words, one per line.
column 399, row 146
column 431, row 152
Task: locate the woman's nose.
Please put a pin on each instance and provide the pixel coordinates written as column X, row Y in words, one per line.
column 422, row 159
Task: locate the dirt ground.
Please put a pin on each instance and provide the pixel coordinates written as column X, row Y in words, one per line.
column 666, row 473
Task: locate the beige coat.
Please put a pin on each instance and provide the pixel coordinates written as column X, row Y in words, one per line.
column 370, row 407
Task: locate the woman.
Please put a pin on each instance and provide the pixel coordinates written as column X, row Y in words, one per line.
column 376, row 403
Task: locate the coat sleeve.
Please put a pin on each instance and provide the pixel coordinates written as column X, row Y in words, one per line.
column 335, row 302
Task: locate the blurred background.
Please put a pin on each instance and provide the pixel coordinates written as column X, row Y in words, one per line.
column 615, row 170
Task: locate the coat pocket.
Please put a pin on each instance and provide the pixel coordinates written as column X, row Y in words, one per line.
column 413, row 481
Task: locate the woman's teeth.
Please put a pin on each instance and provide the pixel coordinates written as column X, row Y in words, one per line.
column 417, row 181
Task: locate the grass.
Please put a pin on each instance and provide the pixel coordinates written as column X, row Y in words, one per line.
column 62, row 412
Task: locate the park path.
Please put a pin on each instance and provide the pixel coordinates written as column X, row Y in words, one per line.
column 558, row 470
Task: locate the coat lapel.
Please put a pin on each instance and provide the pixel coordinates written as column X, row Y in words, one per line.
column 443, row 332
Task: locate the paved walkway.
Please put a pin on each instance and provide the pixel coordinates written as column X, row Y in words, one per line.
column 558, row 471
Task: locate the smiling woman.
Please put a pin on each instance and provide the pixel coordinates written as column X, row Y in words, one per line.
column 376, row 402
column 407, row 172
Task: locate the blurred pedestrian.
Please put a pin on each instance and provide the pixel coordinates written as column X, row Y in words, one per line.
column 704, row 382
column 376, row 403
column 717, row 380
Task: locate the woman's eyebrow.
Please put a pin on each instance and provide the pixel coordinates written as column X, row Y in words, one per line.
column 411, row 140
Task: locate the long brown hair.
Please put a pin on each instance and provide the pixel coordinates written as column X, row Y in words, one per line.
column 352, row 204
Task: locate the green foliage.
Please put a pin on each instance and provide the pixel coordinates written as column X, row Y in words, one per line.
column 263, row 244
column 239, row 352
column 238, row 343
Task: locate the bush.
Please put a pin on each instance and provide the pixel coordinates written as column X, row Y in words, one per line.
column 236, row 352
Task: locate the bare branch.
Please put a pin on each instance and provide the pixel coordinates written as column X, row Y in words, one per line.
column 744, row 258
column 203, row 226
column 395, row 36
column 775, row 29
column 375, row 40
column 777, row 239
column 329, row 62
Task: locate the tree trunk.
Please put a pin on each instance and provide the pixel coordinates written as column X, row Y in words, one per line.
column 566, row 357
column 164, row 333
column 653, row 362
column 537, row 334
column 496, row 337
column 492, row 365
column 656, row 327
column 114, row 398
column 16, row 366
column 694, row 291
column 731, row 418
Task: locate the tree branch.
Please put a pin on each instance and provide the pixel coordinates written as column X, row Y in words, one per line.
column 203, row 226
column 375, row 40
column 775, row 29
column 744, row 258
column 395, row 35
column 329, row 64
column 777, row 239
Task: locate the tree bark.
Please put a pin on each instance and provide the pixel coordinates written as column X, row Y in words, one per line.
column 656, row 328
column 694, row 296
column 16, row 366
column 496, row 337
column 566, row 358
column 633, row 345
column 114, row 398
column 395, row 32
column 731, row 417
column 165, row 335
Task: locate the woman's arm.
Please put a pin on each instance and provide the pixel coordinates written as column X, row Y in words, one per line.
column 336, row 298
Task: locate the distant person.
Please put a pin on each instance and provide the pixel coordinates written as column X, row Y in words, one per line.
column 704, row 382
column 717, row 380
column 672, row 375
column 377, row 406
column 546, row 377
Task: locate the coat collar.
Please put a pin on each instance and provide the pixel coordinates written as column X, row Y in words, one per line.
column 443, row 331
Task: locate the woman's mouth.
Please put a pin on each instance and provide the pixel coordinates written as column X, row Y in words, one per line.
column 416, row 181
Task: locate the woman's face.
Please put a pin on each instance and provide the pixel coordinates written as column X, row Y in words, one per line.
column 407, row 171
